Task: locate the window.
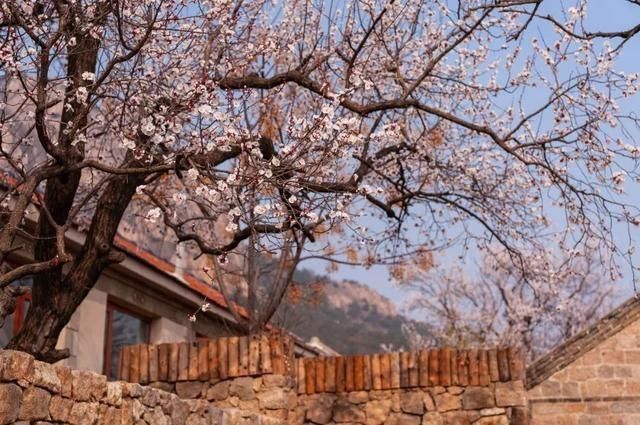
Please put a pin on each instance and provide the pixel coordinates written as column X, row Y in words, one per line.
column 13, row 322
column 123, row 328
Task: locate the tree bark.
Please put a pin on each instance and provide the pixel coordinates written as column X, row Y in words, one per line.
column 57, row 296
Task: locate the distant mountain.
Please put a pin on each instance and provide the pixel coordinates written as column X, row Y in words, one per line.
column 350, row 317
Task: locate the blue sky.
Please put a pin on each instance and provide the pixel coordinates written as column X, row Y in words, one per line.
column 603, row 15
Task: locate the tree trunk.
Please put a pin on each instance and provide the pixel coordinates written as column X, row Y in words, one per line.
column 55, row 299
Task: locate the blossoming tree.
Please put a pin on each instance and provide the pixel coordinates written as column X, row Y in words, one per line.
column 366, row 131
column 559, row 296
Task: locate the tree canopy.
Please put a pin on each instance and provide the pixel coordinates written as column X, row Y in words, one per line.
column 365, row 132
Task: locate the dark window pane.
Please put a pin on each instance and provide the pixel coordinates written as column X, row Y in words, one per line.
column 7, row 330
column 126, row 330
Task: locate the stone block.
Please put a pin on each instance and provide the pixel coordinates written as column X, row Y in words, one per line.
column 510, row 394
column 15, row 365
column 179, row 411
column 276, row 381
column 131, row 390
column 81, row 385
column 412, row 402
column 114, row 394
column 446, row 402
column 44, row 375
column 358, row 397
column 432, row 419
column 150, row 397
column 380, row 395
column 66, row 380
column 273, row 398
column 60, row 408
column 84, row 413
column 243, row 388
column 461, row 418
column 582, row 373
column 475, row 398
column 10, row 395
column 219, row 391
column 519, row 416
column 35, row 404
column 492, row 420
column 189, row 389
column 109, row 415
column 320, row 408
column 343, row 411
column 404, row 419
column 156, row 417
column 377, row 411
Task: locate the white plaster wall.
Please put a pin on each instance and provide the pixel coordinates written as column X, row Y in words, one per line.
column 84, row 335
column 165, row 330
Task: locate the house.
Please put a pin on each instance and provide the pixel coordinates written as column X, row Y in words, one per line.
column 592, row 378
column 143, row 299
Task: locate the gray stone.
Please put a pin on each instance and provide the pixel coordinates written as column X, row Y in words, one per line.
column 189, row 389
column 346, row 412
column 243, row 388
column 219, row 391
column 10, row 395
column 377, row 411
column 475, row 398
column 35, row 404
column 412, row 402
column 273, row 398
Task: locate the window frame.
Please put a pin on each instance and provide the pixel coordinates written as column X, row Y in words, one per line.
column 113, row 306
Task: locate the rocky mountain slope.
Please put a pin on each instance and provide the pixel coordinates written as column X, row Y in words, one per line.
column 348, row 316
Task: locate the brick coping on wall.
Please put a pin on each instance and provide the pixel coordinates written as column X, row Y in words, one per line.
column 230, row 357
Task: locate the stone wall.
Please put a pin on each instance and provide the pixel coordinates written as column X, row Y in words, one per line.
column 437, row 386
column 501, row 403
column 35, row 392
column 600, row 387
